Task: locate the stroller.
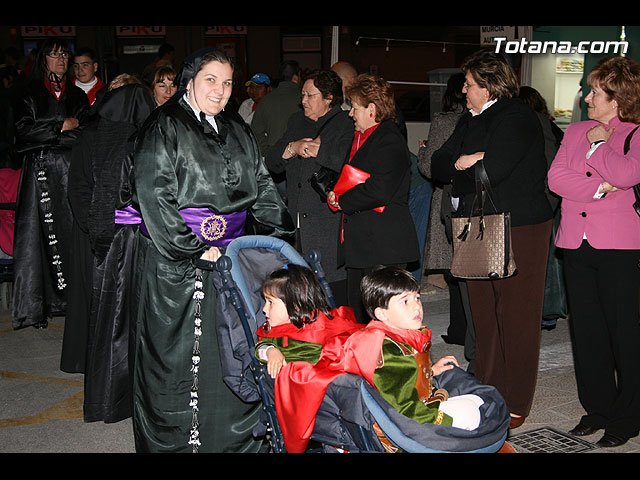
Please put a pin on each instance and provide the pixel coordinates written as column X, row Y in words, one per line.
column 353, row 416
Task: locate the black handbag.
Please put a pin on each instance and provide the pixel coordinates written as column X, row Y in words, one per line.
column 636, row 188
column 323, row 182
column 482, row 241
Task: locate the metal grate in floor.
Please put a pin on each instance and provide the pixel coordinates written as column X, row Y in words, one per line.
column 548, row 440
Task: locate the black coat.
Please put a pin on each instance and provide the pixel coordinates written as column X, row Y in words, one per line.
column 370, row 237
column 318, row 225
column 511, row 136
column 42, row 256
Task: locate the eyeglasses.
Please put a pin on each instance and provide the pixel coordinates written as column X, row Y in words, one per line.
column 468, row 86
column 304, row 94
column 64, row 55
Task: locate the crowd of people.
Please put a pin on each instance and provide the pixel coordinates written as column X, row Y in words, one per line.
column 131, row 190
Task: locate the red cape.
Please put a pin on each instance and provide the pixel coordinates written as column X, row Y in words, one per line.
column 319, row 331
column 300, row 387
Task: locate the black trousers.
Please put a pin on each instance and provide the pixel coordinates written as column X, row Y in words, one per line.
column 602, row 292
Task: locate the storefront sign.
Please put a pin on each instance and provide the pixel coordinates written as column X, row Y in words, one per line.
column 225, row 30
column 489, row 33
column 136, row 49
column 140, row 31
column 47, row 31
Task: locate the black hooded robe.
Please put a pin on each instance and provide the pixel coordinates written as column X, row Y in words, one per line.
column 99, row 183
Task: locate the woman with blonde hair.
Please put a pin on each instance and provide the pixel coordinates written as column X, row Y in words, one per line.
column 594, row 171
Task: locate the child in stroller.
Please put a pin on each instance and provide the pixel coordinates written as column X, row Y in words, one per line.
column 299, row 318
column 352, row 415
column 391, row 353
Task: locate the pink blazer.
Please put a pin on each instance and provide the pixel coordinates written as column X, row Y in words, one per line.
column 610, row 222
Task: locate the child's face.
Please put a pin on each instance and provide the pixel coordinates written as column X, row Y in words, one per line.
column 404, row 311
column 275, row 310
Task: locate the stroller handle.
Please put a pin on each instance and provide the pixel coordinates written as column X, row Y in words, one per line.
column 223, row 266
column 313, row 257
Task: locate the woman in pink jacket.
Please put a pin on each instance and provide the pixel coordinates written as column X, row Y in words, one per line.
column 600, row 234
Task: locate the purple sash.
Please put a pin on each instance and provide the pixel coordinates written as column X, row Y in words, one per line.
column 216, row 230
column 128, row 216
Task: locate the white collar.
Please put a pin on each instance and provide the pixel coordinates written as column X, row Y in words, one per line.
column 210, row 118
column 484, row 107
column 87, row 86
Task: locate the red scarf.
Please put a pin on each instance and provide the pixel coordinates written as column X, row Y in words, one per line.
column 300, row 387
column 91, row 94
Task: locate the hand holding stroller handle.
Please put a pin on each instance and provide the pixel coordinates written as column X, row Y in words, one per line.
column 205, row 264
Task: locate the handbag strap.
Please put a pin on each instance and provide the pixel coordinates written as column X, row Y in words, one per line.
column 627, row 141
column 483, row 187
column 636, row 187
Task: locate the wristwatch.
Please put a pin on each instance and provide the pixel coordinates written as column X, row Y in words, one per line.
column 597, row 142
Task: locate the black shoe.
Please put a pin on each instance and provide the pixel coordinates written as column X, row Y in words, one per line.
column 582, row 430
column 608, row 440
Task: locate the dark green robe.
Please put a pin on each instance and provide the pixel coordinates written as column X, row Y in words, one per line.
column 177, row 165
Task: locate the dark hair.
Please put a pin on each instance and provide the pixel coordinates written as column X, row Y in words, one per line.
column 536, row 102
column 453, row 96
column 368, row 88
column 330, row 85
column 86, row 52
column 490, row 70
column 300, row 290
column 619, row 78
column 165, row 49
column 288, row 69
column 40, row 68
column 383, row 283
column 213, row 56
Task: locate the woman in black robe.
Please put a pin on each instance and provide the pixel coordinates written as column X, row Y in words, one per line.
column 100, row 196
column 48, row 118
column 199, row 183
